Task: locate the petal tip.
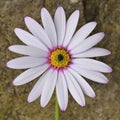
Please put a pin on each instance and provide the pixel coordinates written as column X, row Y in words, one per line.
column 26, row 18
column 93, row 96
column 110, row 69
column 110, row 52
column 29, row 100
column 63, row 109
column 15, row 29
column 14, row 83
column 43, row 9
column 102, row 34
column 8, row 64
column 60, row 7
column 42, row 105
column 77, row 12
column 106, row 82
column 10, row 48
column 83, row 105
column 93, row 24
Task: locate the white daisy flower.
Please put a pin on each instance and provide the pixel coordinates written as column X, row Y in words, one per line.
column 60, row 57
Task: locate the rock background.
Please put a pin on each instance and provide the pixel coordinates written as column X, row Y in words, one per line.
column 13, row 100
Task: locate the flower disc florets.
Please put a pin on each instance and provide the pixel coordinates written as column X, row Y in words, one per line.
column 59, row 58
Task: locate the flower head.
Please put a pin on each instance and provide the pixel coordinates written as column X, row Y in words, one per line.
column 60, row 56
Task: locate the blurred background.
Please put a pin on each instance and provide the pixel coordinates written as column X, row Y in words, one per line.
column 13, row 100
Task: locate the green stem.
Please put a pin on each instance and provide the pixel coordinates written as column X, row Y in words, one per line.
column 56, row 110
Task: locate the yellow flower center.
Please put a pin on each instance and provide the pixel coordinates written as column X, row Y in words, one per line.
column 59, row 58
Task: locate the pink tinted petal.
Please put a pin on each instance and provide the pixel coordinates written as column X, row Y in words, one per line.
column 28, row 50
column 29, row 39
column 81, row 34
column 29, row 75
column 83, row 84
column 88, row 43
column 93, row 52
column 60, row 24
column 74, row 88
column 92, row 75
column 25, row 62
column 49, row 86
column 61, row 91
column 37, row 30
column 49, row 26
column 37, row 89
column 71, row 27
column 91, row 64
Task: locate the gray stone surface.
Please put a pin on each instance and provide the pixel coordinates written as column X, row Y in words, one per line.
column 13, row 100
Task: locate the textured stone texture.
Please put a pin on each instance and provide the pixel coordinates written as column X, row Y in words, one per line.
column 106, row 105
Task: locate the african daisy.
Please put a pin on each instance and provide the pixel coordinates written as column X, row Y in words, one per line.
column 60, row 57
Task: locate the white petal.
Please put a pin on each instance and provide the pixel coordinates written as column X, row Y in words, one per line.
column 49, row 86
column 61, row 91
column 60, row 24
column 28, row 50
column 25, row 62
column 92, row 75
column 93, row 52
column 81, row 34
column 83, row 84
column 91, row 64
column 29, row 39
column 49, row 26
column 71, row 27
column 37, row 30
column 74, row 89
column 29, row 75
column 37, row 89
column 88, row 43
